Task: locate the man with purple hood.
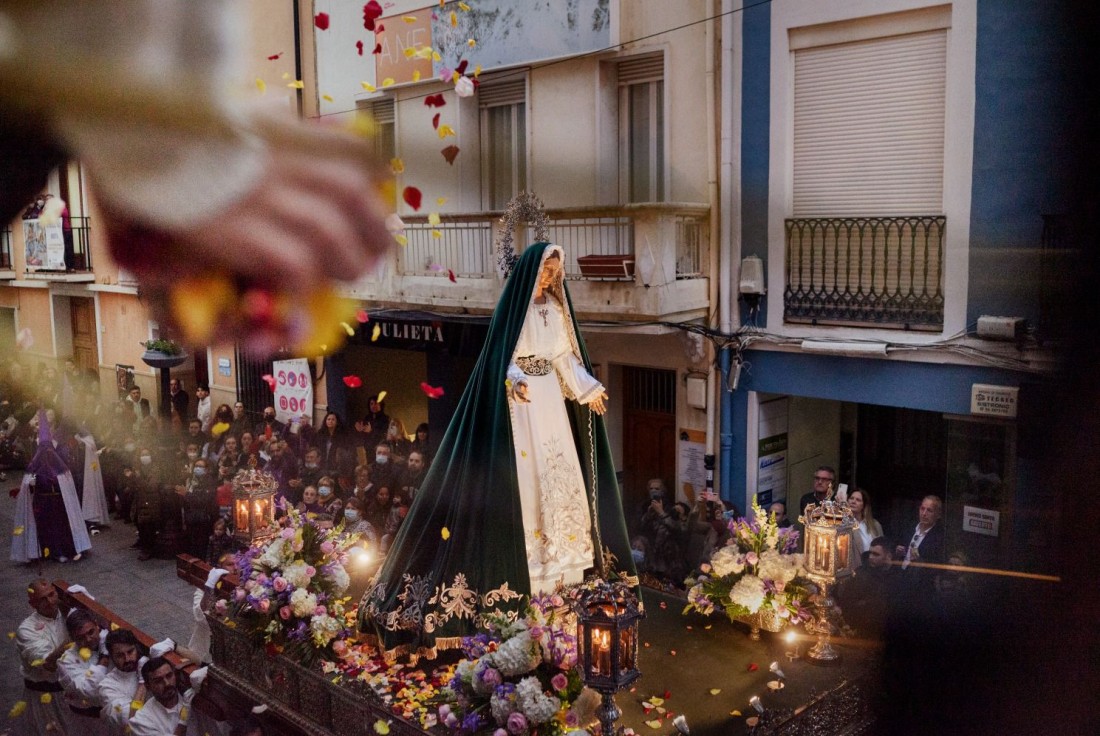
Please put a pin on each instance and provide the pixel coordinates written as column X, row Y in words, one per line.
column 48, row 519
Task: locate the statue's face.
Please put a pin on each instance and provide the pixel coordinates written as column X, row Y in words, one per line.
column 551, row 272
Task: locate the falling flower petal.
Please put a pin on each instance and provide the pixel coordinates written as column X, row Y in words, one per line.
column 401, row 239
column 377, row 48
column 735, row 712
column 715, row 690
column 461, row 68
column 454, row 19
column 445, row 533
column 394, row 223
column 85, row 653
column 672, row 652
column 327, row 98
column 273, row 57
column 261, row 85
column 321, row 21
column 11, row 634
column 375, row 332
column 667, row 695
column 663, row 605
column 297, row 84
column 464, row 87
column 381, row 396
column 431, row 391
column 436, row 57
column 433, row 218
column 348, row 329
column 269, row 380
column 46, row 698
column 388, row 82
column 450, row 153
column 440, row 201
column 471, row 42
column 416, row 75
column 286, row 75
column 45, row 551
column 446, row 130
column 437, row 234
column 409, row 18
column 17, row 709
column 451, row 276
column 435, row 121
column 353, row 381
column 753, row 667
column 464, row 7
column 409, row 52
column 17, row 531
column 381, row 727
column 397, row 166
column 654, row 724
column 435, row 101
column 412, row 197
column 372, row 11
column 368, row 86
column 359, row 47
column 362, row 316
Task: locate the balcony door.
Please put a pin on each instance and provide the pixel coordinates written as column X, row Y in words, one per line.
column 85, row 341
column 649, row 435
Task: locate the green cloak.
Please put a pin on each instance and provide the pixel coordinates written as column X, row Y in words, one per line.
column 460, row 553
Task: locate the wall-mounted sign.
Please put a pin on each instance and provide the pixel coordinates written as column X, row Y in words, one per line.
column 771, row 453
column 981, row 521
column 224, row 367
column 994, row 401
column 432, row 332
column 293, row 389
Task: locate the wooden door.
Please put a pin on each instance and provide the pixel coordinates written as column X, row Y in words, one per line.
column 649, row 435
column 85, row 341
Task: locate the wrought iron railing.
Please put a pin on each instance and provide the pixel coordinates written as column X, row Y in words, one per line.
column 464, row 243
column 865, row 271
column 82, row 244
column 5, row 249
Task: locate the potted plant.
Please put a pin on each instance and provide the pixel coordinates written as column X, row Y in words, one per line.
column 161, row 353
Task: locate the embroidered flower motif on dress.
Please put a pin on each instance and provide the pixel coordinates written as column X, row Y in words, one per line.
column 564, row 521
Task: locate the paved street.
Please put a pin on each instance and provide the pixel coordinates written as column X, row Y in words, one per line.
column 148, row 594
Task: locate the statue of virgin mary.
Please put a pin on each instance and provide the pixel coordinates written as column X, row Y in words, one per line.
column 522, row 494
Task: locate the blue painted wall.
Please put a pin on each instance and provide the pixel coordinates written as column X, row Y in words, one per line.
column 755, row 135
column 1023, row 132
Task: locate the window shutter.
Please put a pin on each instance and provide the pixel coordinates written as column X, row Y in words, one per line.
column 638, row 69
column 492, row 93
column 381, row 110
column 869, row 126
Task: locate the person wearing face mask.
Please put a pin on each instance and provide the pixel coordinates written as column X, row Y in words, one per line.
column 147, row 507
column 199, row 509
column 355, row 523
column 327, row 496
column 384, row 471
column 270, row 427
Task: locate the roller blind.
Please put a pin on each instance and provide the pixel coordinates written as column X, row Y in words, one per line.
column 491, row 93
column 638, row 69
column 869, row 126
column 381, row 110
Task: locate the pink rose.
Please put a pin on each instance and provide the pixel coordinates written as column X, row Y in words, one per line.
column 559, row 681
column 285, row 613
column 327, row 547
column 556, row 600
column 287, row 533
column 279, row 584
column 320, row 611
column 265, row 605
column 517, row 723
column 751, row 558
column 310, row 571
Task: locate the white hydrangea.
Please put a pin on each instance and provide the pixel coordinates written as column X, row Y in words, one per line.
column 502, row 706
column 512, row 628
column 465, row 670
column 272, row 557
column 516, row 656
column 295, row 574
column 339, row 578
column 727, row 561
column 748, row 592
column 324, row 629
column 778, row 567
column 302, row 602
column 534, row 703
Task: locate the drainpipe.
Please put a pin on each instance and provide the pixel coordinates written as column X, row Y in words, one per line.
column 713, row 193
column 730, row 236
column 298, row 93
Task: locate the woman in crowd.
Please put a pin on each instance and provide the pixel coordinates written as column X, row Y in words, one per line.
column 399, row 440
column 860, row 503
column 378, row 513
column 331, row 503
column 333, row 442
column 310, row 505
column 200, row 508
column 355, row 523
column 422, row 443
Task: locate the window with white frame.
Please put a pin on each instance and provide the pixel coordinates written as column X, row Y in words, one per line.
column 503, row 108
column 641, row 128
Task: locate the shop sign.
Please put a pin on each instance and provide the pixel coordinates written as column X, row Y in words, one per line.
column 411, row 331
column 993, row 401
column 981, row 521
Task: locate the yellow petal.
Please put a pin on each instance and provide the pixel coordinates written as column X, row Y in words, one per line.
column 45, row 698
column 368, row 86
column 654, row 724
column 436, row 57
column 381, row 727
column 397, row 165
column 433, row 218
column 454, row 19
column 523, row 453
column 440, row 201
column 455, row 76
column 286, row 75
column 477, row 71
column 114, row 626
column 446, row 130
column 327, row 98
column 464, row 7
column 715, row 690
column 376, row 332
column 735, row 712
column 656, row 701
column 388, row 82
column 11, row 634
column 445, row 533
column 410, row 52
column 437, row 234
column 261, row 85
column 401, row 239
column 381, row 396
column 424, row 52
column 38, row 663
column 296, row 84
column 85, row 653
column 348, row 329
column 46, row 552
column 17, row 709
column 416, row 75
column 17, row 531
column 471, row 42
column 409, row 18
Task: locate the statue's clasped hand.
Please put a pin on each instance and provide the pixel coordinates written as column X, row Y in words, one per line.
column 599, row 404
column 519, row 392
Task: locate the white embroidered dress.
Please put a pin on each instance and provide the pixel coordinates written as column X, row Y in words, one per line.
column 557, row 522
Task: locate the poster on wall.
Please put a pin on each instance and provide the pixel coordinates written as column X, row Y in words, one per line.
column 693, row 473
column 45, row 246
column 124, row 379
column 771, row 471
column 293, row 389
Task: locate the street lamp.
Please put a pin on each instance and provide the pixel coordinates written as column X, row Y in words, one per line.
column 829, row 558
column 607, row 637
column 254, row 506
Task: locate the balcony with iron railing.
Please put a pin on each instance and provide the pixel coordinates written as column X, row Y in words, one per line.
column 632, row 262
column 76, row 262
column 884, row 272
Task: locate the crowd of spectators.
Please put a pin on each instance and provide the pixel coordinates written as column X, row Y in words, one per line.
column 171, row 475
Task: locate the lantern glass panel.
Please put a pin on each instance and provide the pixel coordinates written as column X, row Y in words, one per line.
column 240, row 517
column 842, row 551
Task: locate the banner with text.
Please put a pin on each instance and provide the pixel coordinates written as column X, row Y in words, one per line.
column 293, row 389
